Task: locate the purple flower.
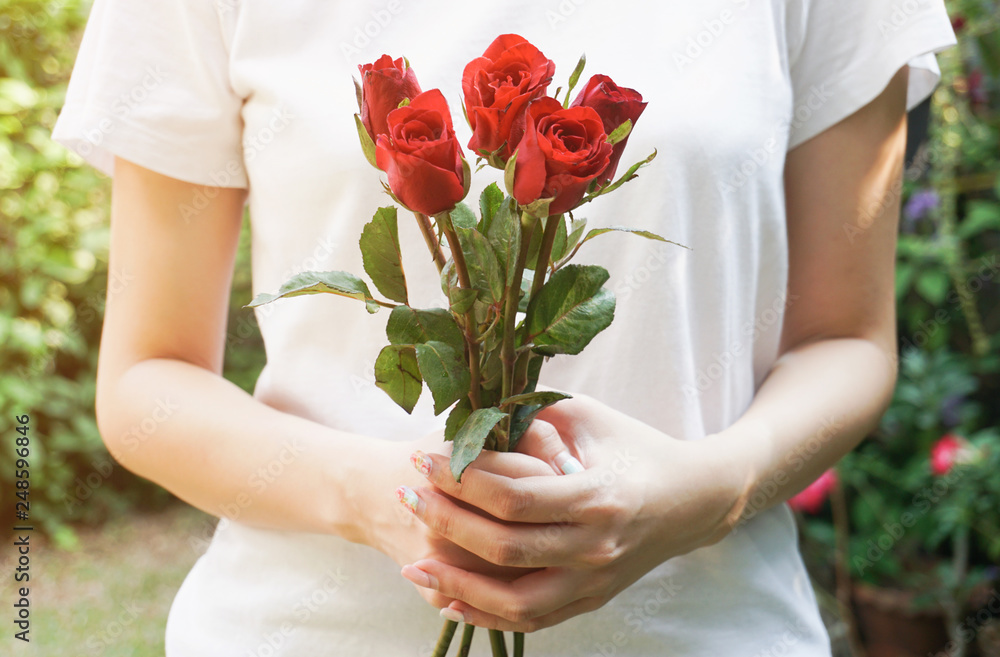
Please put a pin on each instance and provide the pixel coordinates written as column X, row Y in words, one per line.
column 921, row 202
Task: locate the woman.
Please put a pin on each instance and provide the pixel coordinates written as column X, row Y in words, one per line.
column 735, row 373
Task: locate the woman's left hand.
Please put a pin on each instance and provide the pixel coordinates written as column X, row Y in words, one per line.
column 641, row 498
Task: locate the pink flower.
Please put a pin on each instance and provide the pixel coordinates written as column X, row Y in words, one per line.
column 811, row 499
column 948, row 451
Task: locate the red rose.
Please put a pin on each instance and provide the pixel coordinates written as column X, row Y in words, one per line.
column 615, row 105
column 384, row 84
column 811, row 499
column 561, row 152
column 421, row 156
column 498, row 87
column 948, row 451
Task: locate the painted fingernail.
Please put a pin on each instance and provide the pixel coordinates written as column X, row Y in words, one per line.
column 420, row 577
column 422, row 463
column 453, row 615
column 568, row 464
column 408, row 498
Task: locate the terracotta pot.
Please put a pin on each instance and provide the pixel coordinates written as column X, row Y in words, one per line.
column 890, row 626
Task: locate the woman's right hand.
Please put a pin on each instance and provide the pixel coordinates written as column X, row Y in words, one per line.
column 396, row 532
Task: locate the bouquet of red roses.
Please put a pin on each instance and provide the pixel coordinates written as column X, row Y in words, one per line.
column 513, row 297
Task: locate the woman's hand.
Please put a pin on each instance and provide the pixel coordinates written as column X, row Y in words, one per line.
column 394, row 531
column 642, row 498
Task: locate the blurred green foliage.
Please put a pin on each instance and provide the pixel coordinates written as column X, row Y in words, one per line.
column 53, row 277
column 948, row 306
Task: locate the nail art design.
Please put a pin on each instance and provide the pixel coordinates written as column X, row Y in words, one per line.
column 422, row 463
column 408, row 498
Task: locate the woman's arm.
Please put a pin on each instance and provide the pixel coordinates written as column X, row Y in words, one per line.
column 646, row 497
column 163, row 408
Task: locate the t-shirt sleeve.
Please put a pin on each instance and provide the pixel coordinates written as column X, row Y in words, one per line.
column 843, row 53
column 151, row 85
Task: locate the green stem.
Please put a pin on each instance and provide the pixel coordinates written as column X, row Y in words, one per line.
column 508, row 357
column 424, row 222
column 471, row 327
column 466, row 645
column 497, row 643
column 544, row 253
column 518, row 644
column 444, row 641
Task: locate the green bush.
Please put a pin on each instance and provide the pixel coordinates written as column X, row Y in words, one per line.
column 53, row 276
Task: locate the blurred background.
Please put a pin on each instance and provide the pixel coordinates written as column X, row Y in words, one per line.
column 902, row 539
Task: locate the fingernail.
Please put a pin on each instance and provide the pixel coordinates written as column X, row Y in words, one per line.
column 454, row 616
column 422, row 463
column 409, row 498
column 420, row 577
column 568, row 464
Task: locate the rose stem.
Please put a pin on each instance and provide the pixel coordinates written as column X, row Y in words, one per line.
column 507, row 357
column 471, row 329
column 432, row 240
column 466, row 645
column 518, row 644
column 444, row 641
column 497, row 643
column 541, row 269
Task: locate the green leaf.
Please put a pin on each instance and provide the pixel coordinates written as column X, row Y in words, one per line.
column 457, row 418
column 340, row 283
column 484, row 269
column 933, row 286
column 381, row 255
column 591, row 234
column 489, row 203
column 570, row 309
column 524, row 415
column 398, row 374
column 575, row 228
column 904, row 277
column 411, row 326
column 629, row 175
column 445, row 371
column 560, row 241
column 469, row 440
column 620, row 133
column 504, row 235
column 460, row 300
column 980, row 217
column 543, row 397
column 367, row 145
column 462, row 216
column 574, row 78
column 508, row 174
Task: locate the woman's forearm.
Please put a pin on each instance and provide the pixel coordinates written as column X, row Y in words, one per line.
column 216, row 447
column 818, row 402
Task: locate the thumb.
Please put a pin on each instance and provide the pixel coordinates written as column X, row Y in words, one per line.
column 542, row 441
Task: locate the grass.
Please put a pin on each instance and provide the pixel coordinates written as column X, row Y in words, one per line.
column 109, row 596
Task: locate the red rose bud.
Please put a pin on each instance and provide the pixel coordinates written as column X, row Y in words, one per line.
column 384, row 85
column 811, row 499
column 615, row 105
column 421, row 155
column 498, row 87
column 948, row 451
column 561, row 152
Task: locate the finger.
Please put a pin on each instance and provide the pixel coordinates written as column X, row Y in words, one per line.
column 542, row 441
column 506, row 464
column 463, row 612
column 520, row 545
column 530, row 596
column 535, row 499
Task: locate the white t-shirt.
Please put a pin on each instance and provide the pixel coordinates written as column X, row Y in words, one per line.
column 259, row 94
